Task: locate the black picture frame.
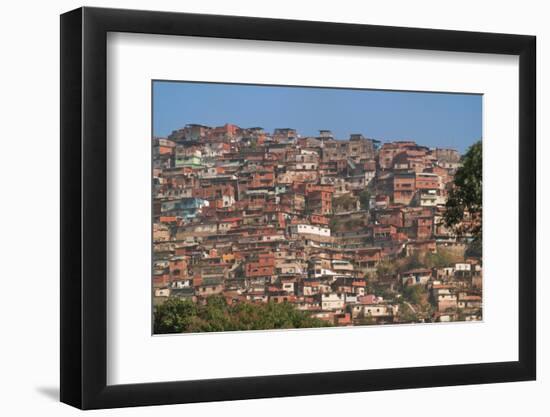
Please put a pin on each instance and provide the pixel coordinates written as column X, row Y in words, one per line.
column 84, row 207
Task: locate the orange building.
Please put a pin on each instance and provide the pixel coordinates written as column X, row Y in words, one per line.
column 404, row 187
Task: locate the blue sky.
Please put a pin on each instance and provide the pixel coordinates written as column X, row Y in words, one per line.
column 431, row 119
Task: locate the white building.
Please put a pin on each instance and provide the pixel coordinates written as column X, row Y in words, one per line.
column 309, row 229
column 333, row 301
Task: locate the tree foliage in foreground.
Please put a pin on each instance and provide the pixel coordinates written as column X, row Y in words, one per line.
column 178, row 316
column 466, row 195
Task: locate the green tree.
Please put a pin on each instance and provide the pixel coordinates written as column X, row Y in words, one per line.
column 411, row 262
column 178, row 316
column 466, row 195
column 475, row 248
column 174, row 316
column 415, row 294
column 364, row 199
column 406, row 313
column 386, row 268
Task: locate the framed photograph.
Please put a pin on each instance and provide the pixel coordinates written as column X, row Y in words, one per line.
column 259, row 208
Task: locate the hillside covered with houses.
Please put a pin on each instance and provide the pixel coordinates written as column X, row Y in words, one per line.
column 340, row 232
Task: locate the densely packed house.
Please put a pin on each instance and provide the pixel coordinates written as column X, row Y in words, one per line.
column 325, row 224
